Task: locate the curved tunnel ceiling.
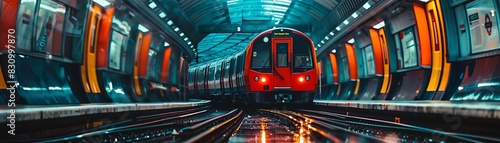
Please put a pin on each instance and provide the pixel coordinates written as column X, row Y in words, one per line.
column 320, row 14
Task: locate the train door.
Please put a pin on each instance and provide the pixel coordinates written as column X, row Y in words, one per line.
column 281, row 74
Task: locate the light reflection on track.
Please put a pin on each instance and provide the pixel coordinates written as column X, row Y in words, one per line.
column 263, row 128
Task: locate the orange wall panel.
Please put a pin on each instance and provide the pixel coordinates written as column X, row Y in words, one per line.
column 377, row 52
column 104, row 38
column 143, row 54
column 164, row 66
column 423, row 35
column 351, row 59
column 335, row 68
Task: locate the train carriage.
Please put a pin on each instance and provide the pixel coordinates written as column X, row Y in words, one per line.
column 278, row 66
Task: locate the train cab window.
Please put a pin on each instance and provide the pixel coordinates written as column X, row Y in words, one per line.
column 261, row 58
column 49, row 27
column 282, row 54
column 302, row 60
column 406, row 48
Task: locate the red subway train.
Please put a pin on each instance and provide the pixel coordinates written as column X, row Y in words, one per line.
column 278, row 66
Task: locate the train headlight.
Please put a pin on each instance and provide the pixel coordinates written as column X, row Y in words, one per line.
column 301, row 79
column 263, row 79
column 256, row 78
column 308, row 78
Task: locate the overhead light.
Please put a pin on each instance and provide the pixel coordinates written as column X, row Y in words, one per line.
column 326, row 37
column 182, row 34
column 152, row 5
column 143, row 29
column 189, row 43
column 424, row 0
column 334, row 51
column 351, row 41
column 367, row 5
column 102, row 3
column 331, row 33
column 169, row 22
column 315, row 49
column 192, row 46
column 176, row 29
column 322, row 42
column 166, row 44
column 277, row 22
column 338, row 28
column 162, row 15
column 186, row 39
column 379, row 25
column 355, row 15
column 319, row 45
column 346, row 22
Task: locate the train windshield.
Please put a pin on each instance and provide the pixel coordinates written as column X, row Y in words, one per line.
column 261, row 58
column 302, row 59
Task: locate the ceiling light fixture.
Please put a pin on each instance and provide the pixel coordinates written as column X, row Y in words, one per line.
column 143, row 29
column 152, row 5
column 162, row 15
column 351, row 41
column 379, row 25
column 102, row 3
column 367, row 5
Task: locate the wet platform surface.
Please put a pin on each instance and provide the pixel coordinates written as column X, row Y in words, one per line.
column 37, row 112
column 481, row 109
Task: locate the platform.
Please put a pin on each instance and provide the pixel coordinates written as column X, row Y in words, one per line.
column 480, row 109
column 38, row 112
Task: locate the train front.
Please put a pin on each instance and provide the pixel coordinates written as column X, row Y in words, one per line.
column 280, row 68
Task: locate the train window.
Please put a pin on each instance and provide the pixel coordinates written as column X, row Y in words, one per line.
column 49, row 27
column 483, row 25
column 302, row 57
column 261, row 56
column 25, row 20
column 406, row 48
column 227, row 65
column 217, row 70
column 368, row 59
column 282, row 54
column 115, row 47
